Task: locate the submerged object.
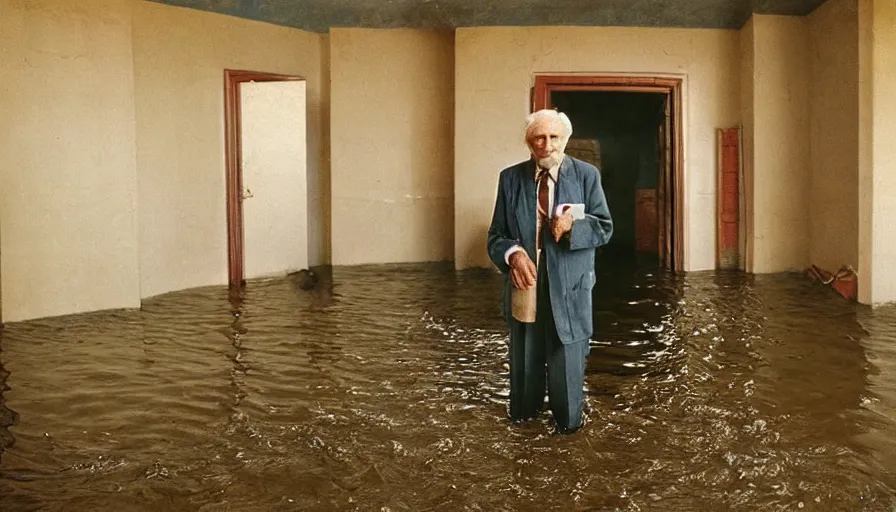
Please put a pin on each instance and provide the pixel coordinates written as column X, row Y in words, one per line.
column 845, row 281
column 306, row 279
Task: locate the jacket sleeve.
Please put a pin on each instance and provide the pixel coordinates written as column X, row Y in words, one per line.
column 596, row 228
column 499, row 240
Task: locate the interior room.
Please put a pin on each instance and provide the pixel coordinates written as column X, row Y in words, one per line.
column 243, row 256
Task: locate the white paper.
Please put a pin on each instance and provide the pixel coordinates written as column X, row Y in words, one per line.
column 576, row 209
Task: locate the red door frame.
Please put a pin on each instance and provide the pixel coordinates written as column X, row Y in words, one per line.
column 233, row 151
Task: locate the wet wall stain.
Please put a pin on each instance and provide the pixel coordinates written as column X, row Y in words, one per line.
column 321, row 15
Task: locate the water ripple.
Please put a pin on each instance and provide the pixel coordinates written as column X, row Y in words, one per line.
column 386, row 387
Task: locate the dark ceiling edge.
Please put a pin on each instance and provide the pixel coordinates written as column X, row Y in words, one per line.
column 240, row 16
column 524, row 25
column 741, row 21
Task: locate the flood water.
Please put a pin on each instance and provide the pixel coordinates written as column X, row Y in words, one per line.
column 385, row 388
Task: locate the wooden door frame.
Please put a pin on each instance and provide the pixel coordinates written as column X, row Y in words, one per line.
column 233, row 151
column 541, row 94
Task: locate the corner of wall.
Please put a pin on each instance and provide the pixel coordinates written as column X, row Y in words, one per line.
column 777, row 143
column 747, row 79
column 866, row 129
column 326, row 258
column 375, row 73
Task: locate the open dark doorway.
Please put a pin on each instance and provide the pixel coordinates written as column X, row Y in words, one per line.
column 620, row 133
column 630, row 100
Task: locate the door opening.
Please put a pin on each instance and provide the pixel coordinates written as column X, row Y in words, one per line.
column 630, row 128
column 622, row 134
column 265, row 145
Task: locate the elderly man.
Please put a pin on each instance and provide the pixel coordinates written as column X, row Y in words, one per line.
column 550, row 215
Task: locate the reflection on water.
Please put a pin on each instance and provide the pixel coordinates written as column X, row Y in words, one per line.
column 385, row 388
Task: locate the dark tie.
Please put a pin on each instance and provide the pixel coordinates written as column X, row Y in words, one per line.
column 543, row 215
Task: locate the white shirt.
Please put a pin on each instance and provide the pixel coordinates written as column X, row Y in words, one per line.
column 554, row 172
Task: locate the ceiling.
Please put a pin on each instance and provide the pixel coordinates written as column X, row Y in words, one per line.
column 320, row 15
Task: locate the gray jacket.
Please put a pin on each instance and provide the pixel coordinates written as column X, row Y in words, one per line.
column 570, row 263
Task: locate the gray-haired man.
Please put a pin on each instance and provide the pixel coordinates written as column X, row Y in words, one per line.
column 550, row 215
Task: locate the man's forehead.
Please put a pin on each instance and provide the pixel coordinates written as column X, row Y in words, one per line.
column 547, row 125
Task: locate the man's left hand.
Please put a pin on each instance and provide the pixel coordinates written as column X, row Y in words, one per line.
column 561, row 225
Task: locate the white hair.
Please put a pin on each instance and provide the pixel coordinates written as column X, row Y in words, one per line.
column 553, row 115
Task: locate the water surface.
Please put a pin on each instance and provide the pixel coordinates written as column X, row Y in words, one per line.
column 385, row 388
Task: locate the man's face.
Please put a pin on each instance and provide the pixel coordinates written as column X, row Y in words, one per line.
column 546, row 142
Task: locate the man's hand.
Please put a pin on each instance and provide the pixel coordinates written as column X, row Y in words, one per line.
column 522, row 270
column 561, row 225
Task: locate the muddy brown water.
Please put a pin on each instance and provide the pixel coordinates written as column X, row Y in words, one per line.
column 385, row 389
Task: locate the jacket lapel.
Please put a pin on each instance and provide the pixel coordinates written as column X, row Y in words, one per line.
column 525, row 209
column 566, row 183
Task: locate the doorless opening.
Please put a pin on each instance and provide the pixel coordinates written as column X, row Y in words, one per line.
column 619, row 132
column 648, row 212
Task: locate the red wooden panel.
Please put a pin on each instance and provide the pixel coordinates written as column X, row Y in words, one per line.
column 728, row 199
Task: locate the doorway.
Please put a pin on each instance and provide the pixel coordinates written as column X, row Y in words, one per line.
column 266, row 168
column 630, row 128
column 619, row 133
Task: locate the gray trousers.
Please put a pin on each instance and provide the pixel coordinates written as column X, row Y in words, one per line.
column 536, row 346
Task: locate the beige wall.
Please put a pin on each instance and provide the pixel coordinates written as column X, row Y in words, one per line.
column 877, row 151
column 834, row 93
column 320, row 240
column 68, row 181
column 496, row 67
column 747, row 95
column 884, row 155
column 112, row 173
column 780, row 170
column 391, row 148
column 179, row 60
column 866, row 167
